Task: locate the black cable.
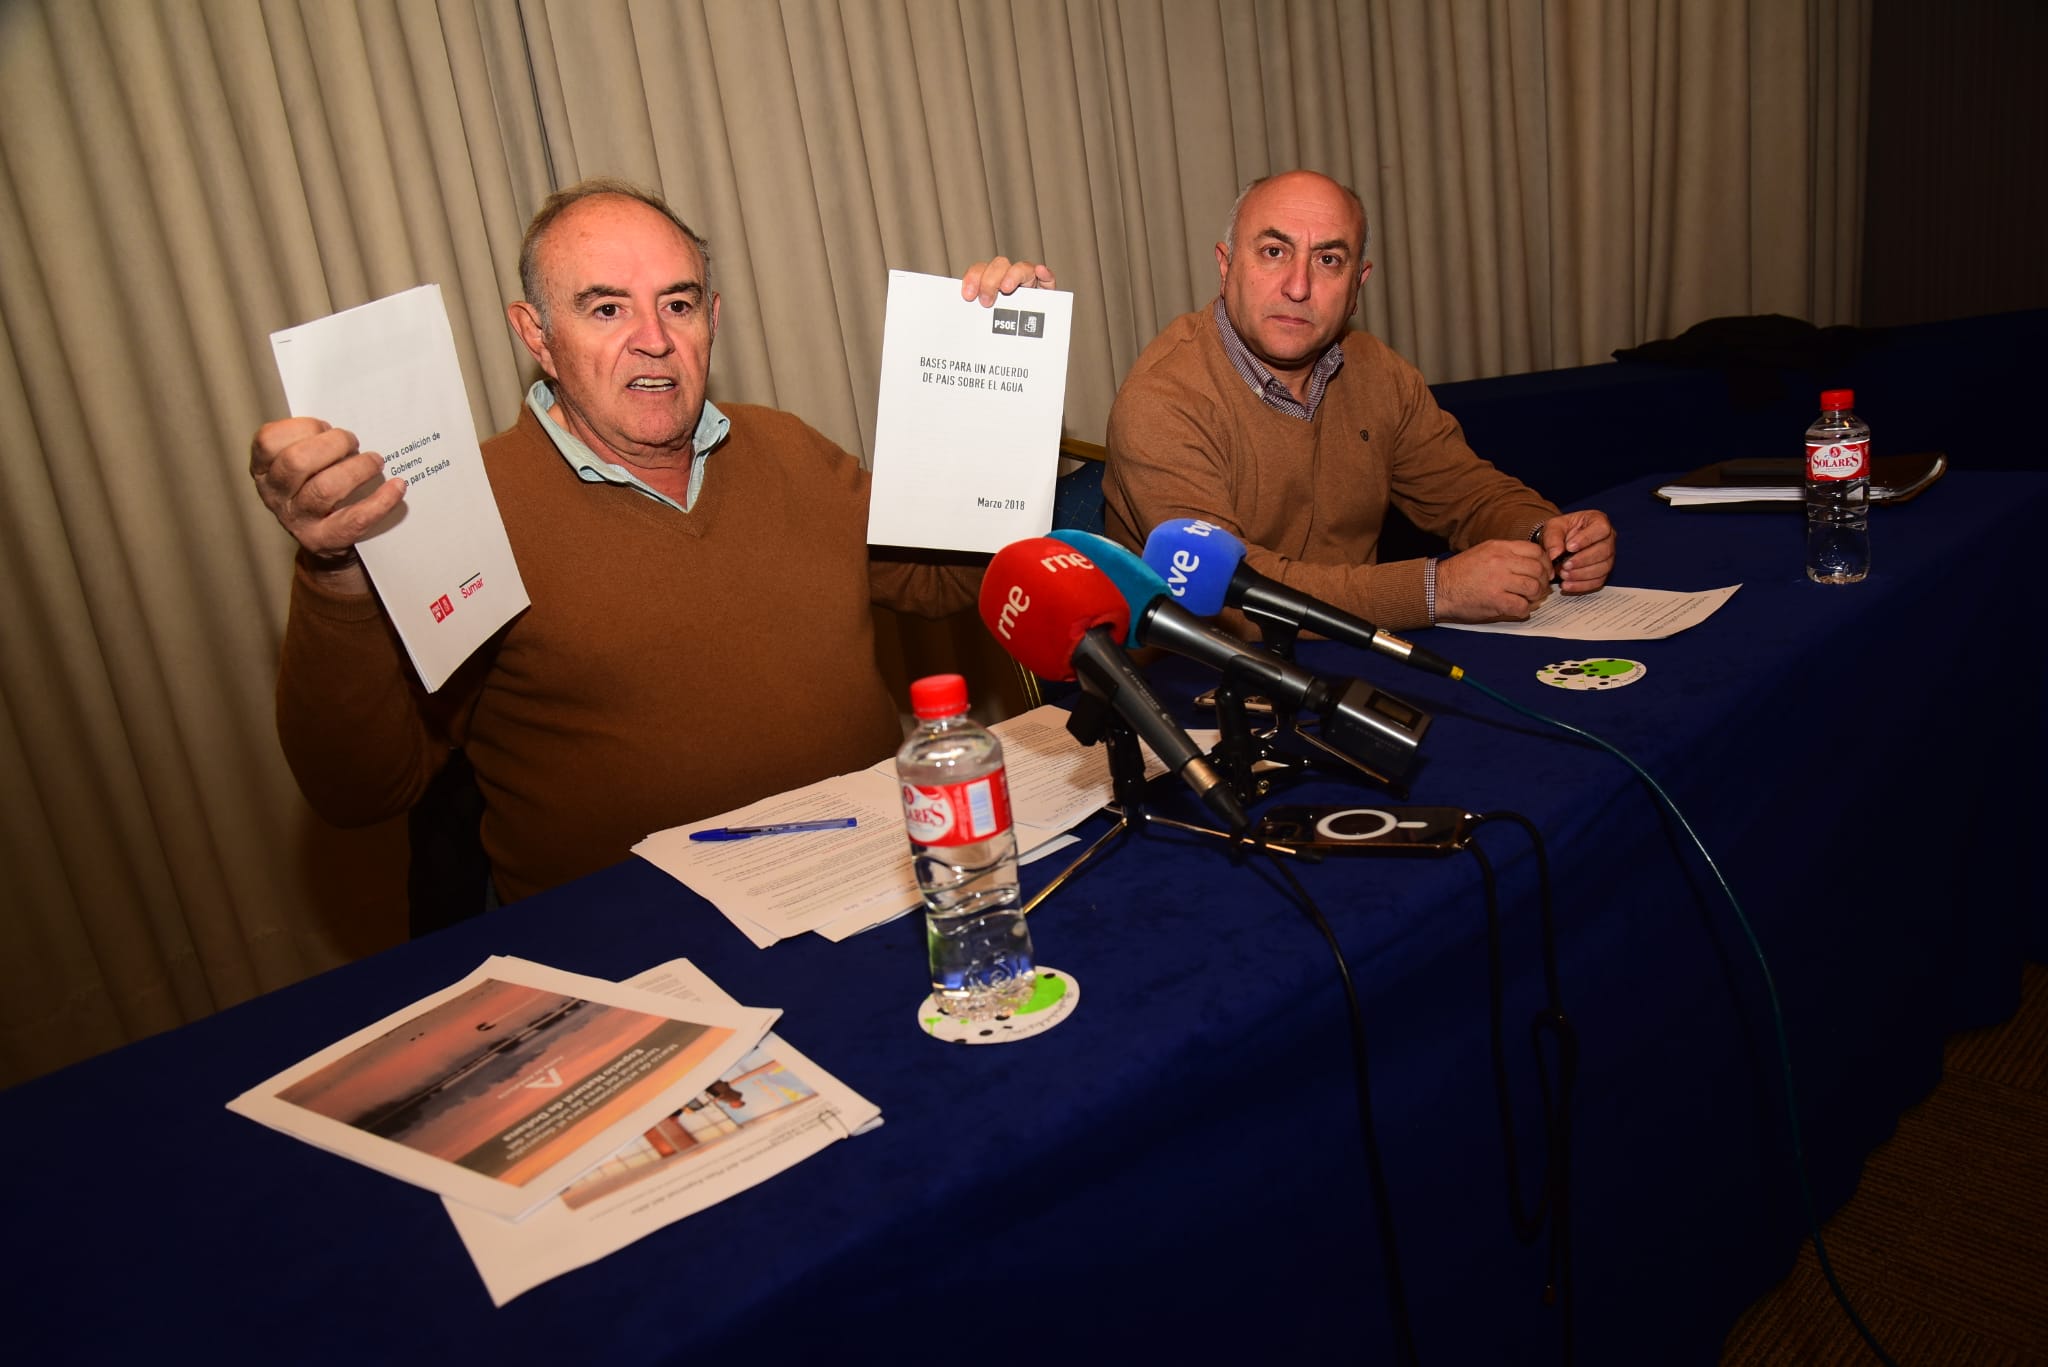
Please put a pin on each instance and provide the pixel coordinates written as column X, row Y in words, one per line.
column 1820, row 1250
column 1383, row 1210
column 1554, row 1201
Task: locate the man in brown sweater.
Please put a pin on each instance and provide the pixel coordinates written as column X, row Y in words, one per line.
column 699, row 635
column 1265, row 416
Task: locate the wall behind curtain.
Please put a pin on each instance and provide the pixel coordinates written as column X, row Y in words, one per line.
column 1548, row 181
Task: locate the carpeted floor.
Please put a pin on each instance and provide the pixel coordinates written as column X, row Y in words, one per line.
column 1944, row 1248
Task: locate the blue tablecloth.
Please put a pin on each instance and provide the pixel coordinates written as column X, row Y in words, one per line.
column 1176, row 1171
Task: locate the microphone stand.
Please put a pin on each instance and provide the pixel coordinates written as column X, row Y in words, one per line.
column 1094, row 720
column 1239, row 752
column 1275, row 631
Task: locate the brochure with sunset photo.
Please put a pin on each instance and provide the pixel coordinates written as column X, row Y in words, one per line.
column 500, row 1091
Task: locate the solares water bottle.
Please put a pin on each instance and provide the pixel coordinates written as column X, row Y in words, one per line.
column 956, row 808
column 1837, row 492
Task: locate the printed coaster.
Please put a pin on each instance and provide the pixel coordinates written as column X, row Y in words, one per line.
column 1052, row 1000
column 1590, row 674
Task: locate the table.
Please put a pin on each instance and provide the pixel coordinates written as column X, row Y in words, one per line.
column 1175, row 1171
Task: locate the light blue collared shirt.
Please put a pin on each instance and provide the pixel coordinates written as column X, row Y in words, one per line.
column 712, row 427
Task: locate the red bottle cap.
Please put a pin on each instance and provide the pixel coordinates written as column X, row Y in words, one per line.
column 940, row 695
column 1832, row 399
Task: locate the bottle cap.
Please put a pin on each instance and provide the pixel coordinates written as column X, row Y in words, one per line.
column 1832, row 399
column 939, row 695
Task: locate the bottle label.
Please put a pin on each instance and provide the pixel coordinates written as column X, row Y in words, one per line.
column 957, row 813
column 1838, row 459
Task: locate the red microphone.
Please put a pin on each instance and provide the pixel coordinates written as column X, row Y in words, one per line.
column 1039, row 597
column 1062, row 618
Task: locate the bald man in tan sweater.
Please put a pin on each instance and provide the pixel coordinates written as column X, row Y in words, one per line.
column 1265, row 415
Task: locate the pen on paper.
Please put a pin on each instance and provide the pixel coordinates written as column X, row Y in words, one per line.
column 834, row 823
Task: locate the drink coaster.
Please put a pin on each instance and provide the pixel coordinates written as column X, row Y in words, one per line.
column 1590, row 674
column 1053, row 999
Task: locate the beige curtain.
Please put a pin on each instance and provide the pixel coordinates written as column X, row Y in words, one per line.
column 178, row 178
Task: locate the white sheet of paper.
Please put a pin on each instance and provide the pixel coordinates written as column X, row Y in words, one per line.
column 696, row 1158
column 967, row 430
column 774, row 886
column 841, row 882
column 1681, row 497
column 387, row 372
column 501, row 1090
column 1612, row 614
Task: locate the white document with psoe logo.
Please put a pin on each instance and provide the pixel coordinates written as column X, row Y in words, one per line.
column 967, row 431
column 387, row 372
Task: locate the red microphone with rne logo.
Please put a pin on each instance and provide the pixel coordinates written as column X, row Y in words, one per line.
column 1064, row 619
column 1039, row 597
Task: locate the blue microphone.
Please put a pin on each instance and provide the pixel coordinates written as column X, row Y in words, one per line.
column 1374, row 728
column 1203, row 566
column 1197, row 560
column 1055, row 615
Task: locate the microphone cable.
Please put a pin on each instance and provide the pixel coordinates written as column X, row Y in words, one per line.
column 1404, row 1330
column 1554, row 1199
column 1771, row 988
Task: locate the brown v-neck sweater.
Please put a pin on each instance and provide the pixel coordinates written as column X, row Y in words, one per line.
column 672, row 665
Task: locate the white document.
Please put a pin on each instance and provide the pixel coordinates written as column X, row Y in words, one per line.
column 503, row 1089
column 1612, row 614
column 1680, row 497
column 387, row 372
column 774, row 886
column 769, row 1112
column 967, row 430
column 841, row 882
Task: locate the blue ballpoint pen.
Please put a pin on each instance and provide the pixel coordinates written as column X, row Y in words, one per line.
column 834, row 823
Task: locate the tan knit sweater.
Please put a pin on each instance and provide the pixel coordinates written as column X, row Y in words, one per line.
column 1189, row 438
column 672, row 665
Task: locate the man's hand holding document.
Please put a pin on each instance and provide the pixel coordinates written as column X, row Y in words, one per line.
column 387, row 372
column 967, row 430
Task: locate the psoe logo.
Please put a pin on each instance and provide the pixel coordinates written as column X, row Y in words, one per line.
column 1006, row 322
column 1031, row 324
column 441, row 608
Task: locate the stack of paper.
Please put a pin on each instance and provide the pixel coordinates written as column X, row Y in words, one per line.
column 841, row 882
column 764, row 1115
column 556, row 1114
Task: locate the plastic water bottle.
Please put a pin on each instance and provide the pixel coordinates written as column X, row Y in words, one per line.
column 956, row 808
column 1837, row 492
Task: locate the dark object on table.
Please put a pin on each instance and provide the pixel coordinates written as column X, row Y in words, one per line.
column 1781, row 480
